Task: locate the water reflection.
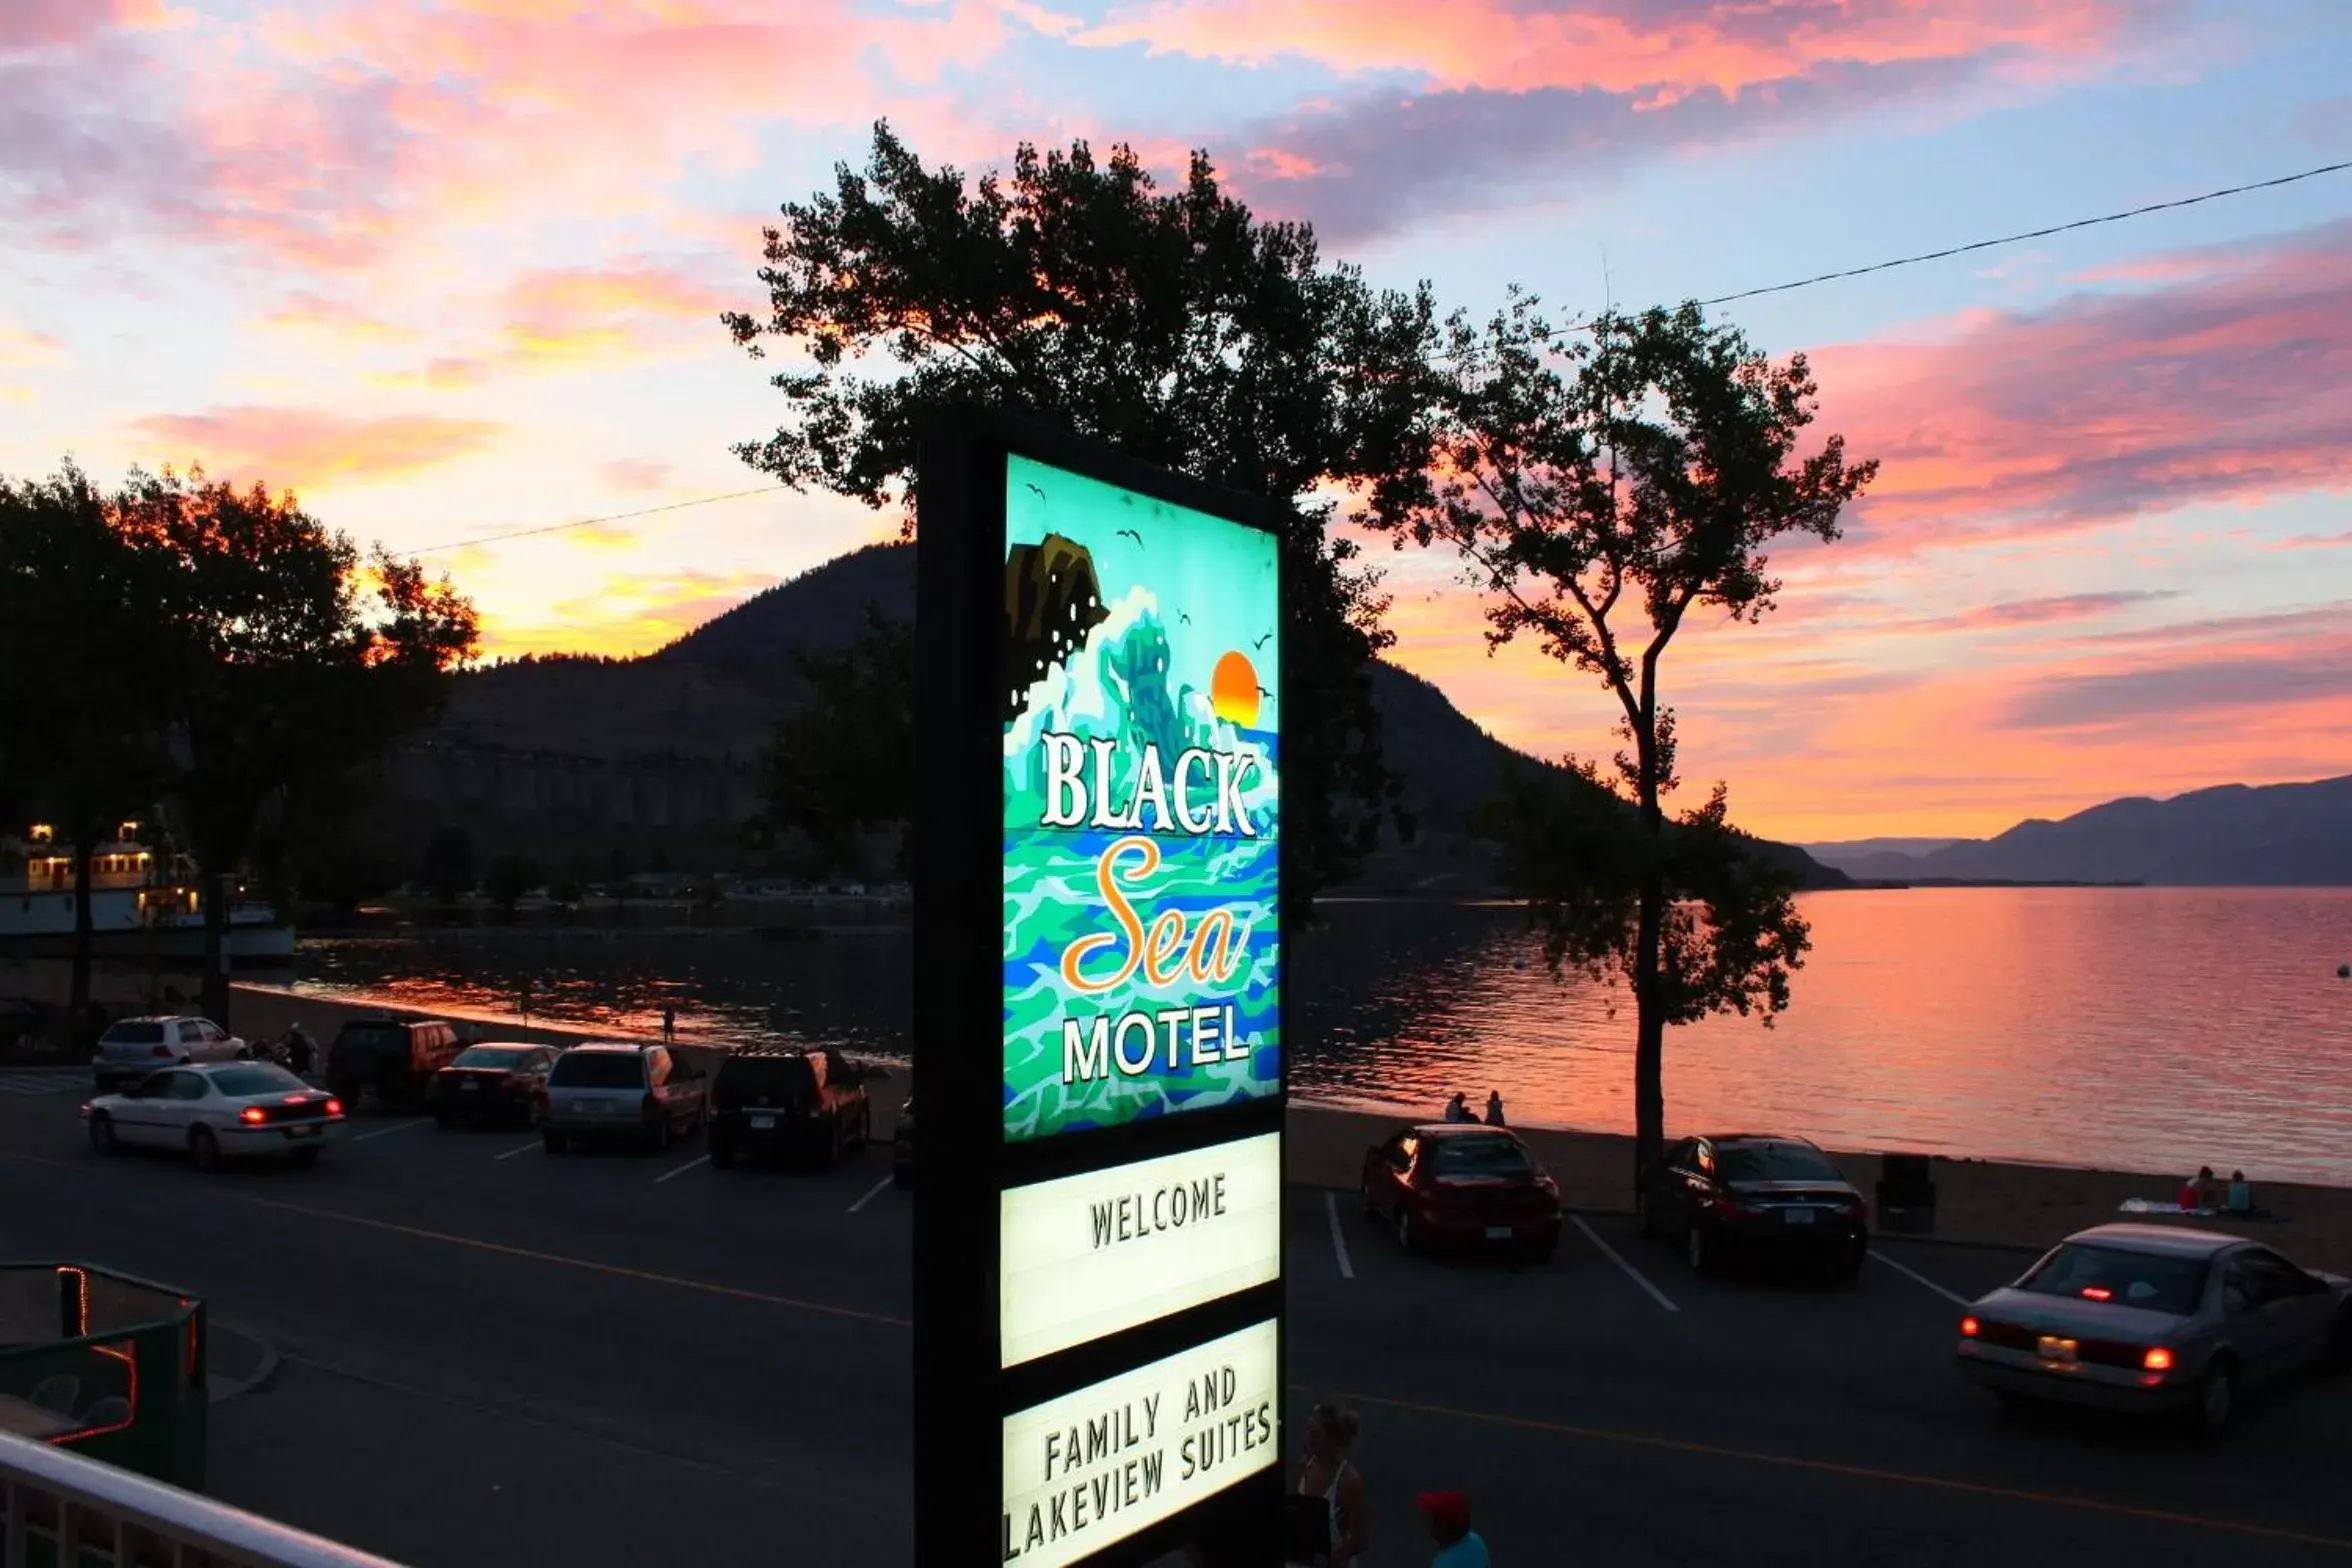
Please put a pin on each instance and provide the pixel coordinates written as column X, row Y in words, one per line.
column 2156, row 1029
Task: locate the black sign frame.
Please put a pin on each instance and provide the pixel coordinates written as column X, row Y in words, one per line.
column 962, row 1161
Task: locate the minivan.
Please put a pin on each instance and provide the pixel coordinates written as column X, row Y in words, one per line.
column 391, row 1059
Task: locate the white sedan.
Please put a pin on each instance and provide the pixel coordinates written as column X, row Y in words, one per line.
column 217, row 1111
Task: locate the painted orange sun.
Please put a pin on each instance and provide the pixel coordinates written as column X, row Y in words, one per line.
column 1233, row 691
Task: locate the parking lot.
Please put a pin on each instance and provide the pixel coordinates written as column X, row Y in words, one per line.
column 492, row 1355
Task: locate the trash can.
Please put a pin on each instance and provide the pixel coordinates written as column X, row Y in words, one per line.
column 1906, row 1195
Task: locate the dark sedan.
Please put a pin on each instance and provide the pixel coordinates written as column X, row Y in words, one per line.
column 490, row 1083
column 1462, row 1185
column 1752, row 1196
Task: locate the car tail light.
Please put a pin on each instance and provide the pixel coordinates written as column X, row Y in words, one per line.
column 2158, row 1359
column 1970, row 1328
column 334, row 1107
column 2097, row 1293
column 253, row 1115
column 161, row 1053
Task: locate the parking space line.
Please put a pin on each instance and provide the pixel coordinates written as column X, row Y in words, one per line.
column 1339, row 1250
column 1833, row 1467
column 1953, row 1296
column 700, row 1159
column 872, row 1193
column 1632, row 1273
column 386, row 1132
column 520, row 1149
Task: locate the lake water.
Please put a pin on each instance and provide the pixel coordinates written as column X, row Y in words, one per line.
column 2136, row 1029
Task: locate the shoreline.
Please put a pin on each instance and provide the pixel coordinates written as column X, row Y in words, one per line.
column 1986, row 1201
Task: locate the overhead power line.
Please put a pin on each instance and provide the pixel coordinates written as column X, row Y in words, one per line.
column 588, row 522
column 2031, row 234
column 1720, row 299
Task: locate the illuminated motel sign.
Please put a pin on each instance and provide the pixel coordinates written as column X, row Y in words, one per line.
column 1098, row 1010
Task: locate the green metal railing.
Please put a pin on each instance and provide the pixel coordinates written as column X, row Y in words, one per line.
column 106, row 1366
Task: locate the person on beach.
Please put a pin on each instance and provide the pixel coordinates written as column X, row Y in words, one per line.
column 2209, row 1193
column 1458, row 1108
column 669, row 1024
column 2241, row 1193
column 1326, row 1472
column 1494, row 1107
column 1458, row 1546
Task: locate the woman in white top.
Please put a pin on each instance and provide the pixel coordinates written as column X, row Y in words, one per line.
column 1326, row 1472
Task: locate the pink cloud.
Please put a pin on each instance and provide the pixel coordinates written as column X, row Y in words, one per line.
column 302, row 448
column 635, row 475
column 335, row 135
column 2234, row 385
column 1661, row 48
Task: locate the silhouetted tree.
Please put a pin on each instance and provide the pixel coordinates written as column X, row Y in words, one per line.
column 1602, row 489
column 82, row 742
column 841, row 765
column 288, row 668
column 1170, row 324
column 509, row 878
column 449, row 865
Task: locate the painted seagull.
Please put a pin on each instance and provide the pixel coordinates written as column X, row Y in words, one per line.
column 1129, row 533
column 1261, row 642
column 1032, row 489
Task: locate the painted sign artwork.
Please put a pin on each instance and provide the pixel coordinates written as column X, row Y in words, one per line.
column 1141, row 807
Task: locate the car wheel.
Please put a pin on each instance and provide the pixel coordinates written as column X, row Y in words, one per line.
column 1407, row 1238
column 2217, row 1399
column 304, row 1159
column 204, row 1149
column 102, row 1134
column 1699, row 1248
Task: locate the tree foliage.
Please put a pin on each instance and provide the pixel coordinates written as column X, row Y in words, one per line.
column 1602, row 487
column 841, row 766
column 288, row 667
column 78, row 655
column 1171, row 324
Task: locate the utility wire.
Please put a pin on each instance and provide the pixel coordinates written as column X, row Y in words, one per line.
column 584, row 522
column 1721, row 299
column 2031, row 234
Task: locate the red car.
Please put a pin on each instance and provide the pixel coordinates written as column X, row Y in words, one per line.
column 1462, row 1184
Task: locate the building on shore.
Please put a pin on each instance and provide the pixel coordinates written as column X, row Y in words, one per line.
column 145, row 901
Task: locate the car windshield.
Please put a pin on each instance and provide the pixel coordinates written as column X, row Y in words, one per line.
column 260, row 1078
column 778, row 1077
column 133, row 1034
column 373, row 1035
column 1478, row 1157
column 2153, row 1281
column 598, row 1070
column 1774, row 1162
column 503, row 1057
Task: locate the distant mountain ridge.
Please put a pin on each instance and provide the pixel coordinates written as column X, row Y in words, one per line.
column 2271, row 835
column 562, row 758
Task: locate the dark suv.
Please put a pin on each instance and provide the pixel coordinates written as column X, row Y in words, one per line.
column 392, row 1059
column 786, row 1100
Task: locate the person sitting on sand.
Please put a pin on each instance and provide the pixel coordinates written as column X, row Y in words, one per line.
column 2241, row 1194
column 1458, row 1108
column 2186, row 1198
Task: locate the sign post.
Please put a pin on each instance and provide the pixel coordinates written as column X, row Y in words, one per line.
column 1098, row 1010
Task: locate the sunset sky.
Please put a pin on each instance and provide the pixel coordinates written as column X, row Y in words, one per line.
column 453, row 269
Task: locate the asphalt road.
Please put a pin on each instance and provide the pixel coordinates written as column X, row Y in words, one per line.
column 492, row 1356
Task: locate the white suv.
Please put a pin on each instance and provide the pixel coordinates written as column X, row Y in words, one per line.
column 135, row 1047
